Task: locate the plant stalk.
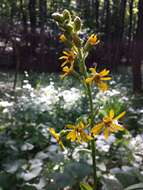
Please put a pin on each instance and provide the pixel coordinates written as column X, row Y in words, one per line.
column 93, row 148
column 89, row 94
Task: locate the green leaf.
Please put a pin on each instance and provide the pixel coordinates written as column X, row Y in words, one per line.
column 138, row 174
column 78, row 170
column 127, row 178
column 111, row 184
column 84, row 186
column 135, row 187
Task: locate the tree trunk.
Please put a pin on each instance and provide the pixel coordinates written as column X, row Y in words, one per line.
column 107, row 19
column 138, row 49
column 108, row 42
column 32, row 14
column 43, row 16
column 130, row 32
column 119, row 43
column 23, row 16
column 97, row 13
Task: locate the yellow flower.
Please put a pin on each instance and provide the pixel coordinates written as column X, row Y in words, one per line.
column 78, row 133
column 67, row 71
column 69, row 57
column 57, row 137
column 93, row 40
column 62, row 38
column 108, row 125
column 98, row 78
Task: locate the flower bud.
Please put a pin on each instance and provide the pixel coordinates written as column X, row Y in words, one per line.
column 62, row 38
column 77, row 24
column 68, row 28
column 57, row 17
column 66, row 15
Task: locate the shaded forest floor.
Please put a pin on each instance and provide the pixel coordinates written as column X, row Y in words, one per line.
column 30, row 158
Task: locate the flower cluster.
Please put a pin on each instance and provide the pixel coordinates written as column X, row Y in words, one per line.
column 73, row 64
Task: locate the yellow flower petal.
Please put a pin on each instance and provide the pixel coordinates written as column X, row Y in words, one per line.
column 62, row 38
column 71, row 135
column 69, row 126
column 118, row 127
column 82, row 125
column 97, row 129
column 103, row 86
column 85, row 137
column 89, row 80
column 64, row 63
column 111, row 114
column 63, row 57
column 106, row 133
column 93, row 70
column 61, row 145
column 104, row 72
column 106, row 78
column 120, row 115
column 66, row 53
column 54, row 134
column 93, row 40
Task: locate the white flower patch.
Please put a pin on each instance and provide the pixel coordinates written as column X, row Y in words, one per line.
column 5, row 104
column 136, row 146
column 104, row 145
column 48, row 95
column 70, row 97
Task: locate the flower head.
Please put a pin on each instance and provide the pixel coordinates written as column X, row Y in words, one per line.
column 109, row 124
column 67, row 71
column 57, row 137
column 78, row 133
column 93, row 40
column 62, row 38
column 69, row 57
column 98, row 78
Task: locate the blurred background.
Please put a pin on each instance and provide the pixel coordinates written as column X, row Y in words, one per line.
column 29, row 37
column 33, row 98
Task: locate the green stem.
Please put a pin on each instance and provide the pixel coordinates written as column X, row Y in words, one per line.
column 93, row 147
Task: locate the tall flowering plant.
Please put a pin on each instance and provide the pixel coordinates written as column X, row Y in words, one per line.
column 73, row 64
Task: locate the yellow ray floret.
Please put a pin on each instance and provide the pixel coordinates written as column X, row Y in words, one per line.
column 68, row 57
column 98, row 78
column 78, row 133
column 93, row 40
column 67, row 71
column 57, row 137
column 62, row 38
column 108, row 125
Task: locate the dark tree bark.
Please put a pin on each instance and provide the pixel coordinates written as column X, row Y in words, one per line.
column 130, row 32
column 96, row 10
column 122, row 18
column 138, row 51
column 43, row 17
column 12, row 10
column 130, row 19
column 107, row 31
column 107, row 19
column 120, row 32
column 23, row 16
column 32, row 14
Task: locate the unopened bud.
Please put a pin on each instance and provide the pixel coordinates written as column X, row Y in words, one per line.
column 68, row 28
column 66, row 15
column 57, row 17
column 77, row 24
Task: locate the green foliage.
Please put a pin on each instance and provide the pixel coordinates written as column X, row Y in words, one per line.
column 29, row 161
column 84, row 186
